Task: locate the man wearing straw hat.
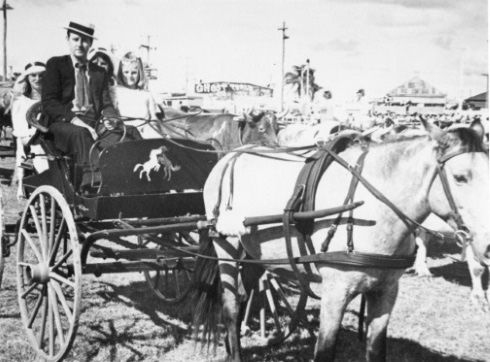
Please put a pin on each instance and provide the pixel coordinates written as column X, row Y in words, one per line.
column 75, row 95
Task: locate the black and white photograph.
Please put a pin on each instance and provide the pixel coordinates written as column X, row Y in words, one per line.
column 244, row 181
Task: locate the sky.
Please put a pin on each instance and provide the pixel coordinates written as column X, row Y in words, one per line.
column 376, row 45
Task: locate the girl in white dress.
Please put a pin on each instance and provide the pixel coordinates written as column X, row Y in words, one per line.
column 133, row 98
column 27, row 91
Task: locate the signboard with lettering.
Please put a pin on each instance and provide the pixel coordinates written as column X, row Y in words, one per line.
column 233, row 87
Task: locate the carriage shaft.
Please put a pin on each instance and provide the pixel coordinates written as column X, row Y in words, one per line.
column 136, row 266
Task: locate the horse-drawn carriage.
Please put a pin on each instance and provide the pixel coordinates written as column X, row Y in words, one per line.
column 148, row 207
column 143, row 214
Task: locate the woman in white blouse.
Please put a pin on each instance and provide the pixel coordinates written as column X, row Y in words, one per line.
column 26, row 92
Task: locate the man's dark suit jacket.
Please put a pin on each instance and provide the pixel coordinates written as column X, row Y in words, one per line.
column 58, row 90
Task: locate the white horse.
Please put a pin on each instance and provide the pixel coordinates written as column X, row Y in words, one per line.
column 406, row 170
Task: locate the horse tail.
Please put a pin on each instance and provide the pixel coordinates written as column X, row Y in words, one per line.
column 206, row 293
column 137, row 166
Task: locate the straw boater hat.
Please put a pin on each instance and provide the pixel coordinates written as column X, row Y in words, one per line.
column 31, row 68
column 84, row 30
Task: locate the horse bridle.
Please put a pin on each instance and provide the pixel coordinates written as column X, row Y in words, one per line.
column 462, row 234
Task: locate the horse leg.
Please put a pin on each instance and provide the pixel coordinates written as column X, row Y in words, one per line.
column 379, row 307
column 477, row 296
column 232, row 296
column 334, row 299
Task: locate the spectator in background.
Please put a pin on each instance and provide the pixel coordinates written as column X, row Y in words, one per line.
column 323, row 108
column 363, row 111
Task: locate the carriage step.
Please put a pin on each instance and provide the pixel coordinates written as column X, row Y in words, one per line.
column 137, row 266
column 140, row 254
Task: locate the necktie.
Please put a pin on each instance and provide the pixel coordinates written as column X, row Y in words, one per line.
column 81, row 93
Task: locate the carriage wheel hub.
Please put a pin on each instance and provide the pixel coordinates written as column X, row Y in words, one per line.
column 38, row 273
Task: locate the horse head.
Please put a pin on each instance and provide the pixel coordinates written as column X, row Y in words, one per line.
column 461, row 194
column 258, row 128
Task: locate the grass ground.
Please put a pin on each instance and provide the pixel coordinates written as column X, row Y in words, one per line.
column 122, row 321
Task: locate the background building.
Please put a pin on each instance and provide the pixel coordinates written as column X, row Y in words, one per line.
column 416, row 95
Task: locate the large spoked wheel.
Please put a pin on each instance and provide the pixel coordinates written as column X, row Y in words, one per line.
column 173, row 283
column 49, row 273
column 281, row 308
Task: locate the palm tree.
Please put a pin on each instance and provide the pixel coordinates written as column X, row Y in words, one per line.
column 298, row 78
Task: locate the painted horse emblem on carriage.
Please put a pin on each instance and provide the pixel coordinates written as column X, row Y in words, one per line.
column 157, row 159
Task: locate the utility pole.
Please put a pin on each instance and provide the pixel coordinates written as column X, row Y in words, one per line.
column 284, row 37
column 148, row 49
column 461, row 81
column 5, row 7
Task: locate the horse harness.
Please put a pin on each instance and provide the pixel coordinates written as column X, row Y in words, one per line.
column 303, row 199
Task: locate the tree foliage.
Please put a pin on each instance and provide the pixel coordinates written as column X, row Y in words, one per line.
column 298, row 78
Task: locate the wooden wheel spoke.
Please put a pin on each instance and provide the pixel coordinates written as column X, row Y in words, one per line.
column 62, row 280
column 156, row 280
column 176, row 280
column 57, row 316
column 32, row 245
column 56, row 244
column 63, row 259
column 52, row 225
column 35, row 310
column 29, row 290
column 38, row 228
column 44, row 226
column 61, row 297
column 273, row 282
column 247, row 309
column 43, row 321
column 50, row 329
column 272, row 304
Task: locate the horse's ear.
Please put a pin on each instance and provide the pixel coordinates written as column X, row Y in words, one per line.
column 477, row 126
column 434, row 131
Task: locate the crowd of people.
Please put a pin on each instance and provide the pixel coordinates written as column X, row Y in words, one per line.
column 84, row 96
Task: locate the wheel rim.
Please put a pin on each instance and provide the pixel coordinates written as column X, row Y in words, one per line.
column 173, row 283
column 49, row 273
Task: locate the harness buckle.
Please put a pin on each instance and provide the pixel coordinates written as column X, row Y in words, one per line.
column 463, row 238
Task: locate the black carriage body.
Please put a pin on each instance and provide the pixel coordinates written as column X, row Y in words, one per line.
column 147, row 178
